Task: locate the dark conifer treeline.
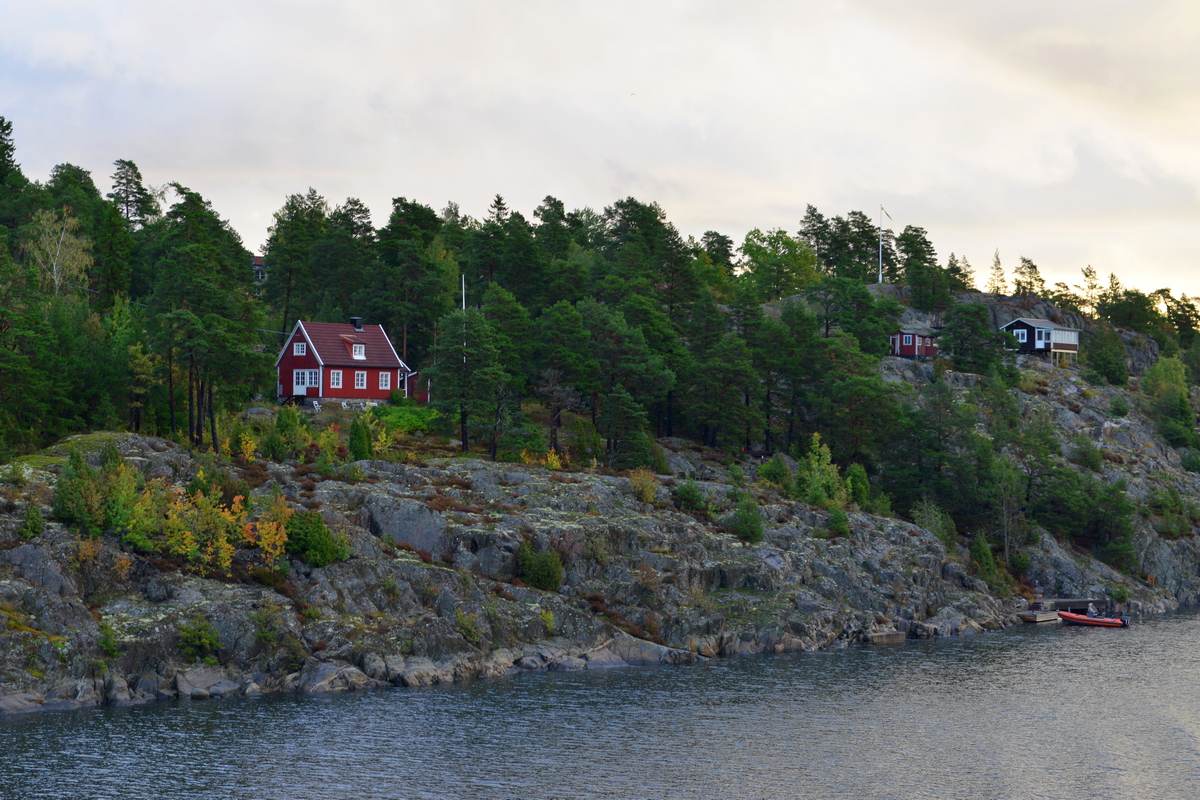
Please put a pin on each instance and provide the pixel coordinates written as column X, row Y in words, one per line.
column 140, row 310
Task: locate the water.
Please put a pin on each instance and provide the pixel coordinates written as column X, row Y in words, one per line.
column 1033, row 712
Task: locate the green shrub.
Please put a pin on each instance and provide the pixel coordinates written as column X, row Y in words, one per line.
column 858, row 486
column 933, row 518
column 288, row 421
column 310, row 540
column 273, row 447
column 396, row 398
column 360, row 441
column 197, row 639
column 1176, row 433
column 14, row 474
column 1085, row 453
column 219, row 484
column 985, row 562
column 1018, row 562
column 736, row 475
column 407, row 418
column 644, row 484
column 523, row 438
column 1191, row 460
column 746, row 522
column 107, row 642
column 689, row 495
column 539, row 570
column 1120, row 594
column 1119, row 406
column 467, row 625
column 1106, row 356
column 32, row 523
column 77, row 497
column 776, row 472
column 839, row 523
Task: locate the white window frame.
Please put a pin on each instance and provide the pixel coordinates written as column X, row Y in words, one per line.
column 335, row 379
column 306, row 378
column 385, row 381
column 1020, row 333
column 908, row 338
column 299, row 349
column 358, row 352
column 360, row 379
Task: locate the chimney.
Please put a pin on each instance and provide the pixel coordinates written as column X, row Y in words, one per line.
column 356, row 322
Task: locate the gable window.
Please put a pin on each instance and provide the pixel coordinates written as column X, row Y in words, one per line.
column 359, row 352
column 360, row 379
column 908, row 338
column 335, row 379
column 299, row 349
column 385, row 380
column 1020, row 334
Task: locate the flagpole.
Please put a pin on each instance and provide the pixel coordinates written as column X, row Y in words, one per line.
column 889, row 216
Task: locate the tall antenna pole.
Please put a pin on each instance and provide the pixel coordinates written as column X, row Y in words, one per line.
column 889, row 216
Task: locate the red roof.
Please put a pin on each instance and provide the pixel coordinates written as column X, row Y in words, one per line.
column 332, row 343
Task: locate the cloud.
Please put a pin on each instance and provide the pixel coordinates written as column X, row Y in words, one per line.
column 1062, row 131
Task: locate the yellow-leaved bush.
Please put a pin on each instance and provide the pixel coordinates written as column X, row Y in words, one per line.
column 165, row 519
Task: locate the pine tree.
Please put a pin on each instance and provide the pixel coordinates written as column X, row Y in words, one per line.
column 465, row 367
column 135, row 203
column 996, row 283
column 1027, row 282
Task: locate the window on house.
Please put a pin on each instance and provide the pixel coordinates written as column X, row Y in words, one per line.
column 360, row 379
column 385, row 380
column 1020, row 334
column 335, row 379
column 1042, row 335
column 908, row 338
column 359, row 351
column 299, row 349
column 306, row 377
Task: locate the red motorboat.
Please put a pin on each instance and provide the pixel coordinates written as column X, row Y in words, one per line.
column 1071, row 618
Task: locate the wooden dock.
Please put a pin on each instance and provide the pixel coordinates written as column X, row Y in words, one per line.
column 1046, row 610
column 885, row 637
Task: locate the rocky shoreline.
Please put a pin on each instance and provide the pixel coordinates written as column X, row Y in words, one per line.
column 429, row 594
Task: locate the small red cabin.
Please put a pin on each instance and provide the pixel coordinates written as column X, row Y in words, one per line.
column 917, row 341
column 340, row 361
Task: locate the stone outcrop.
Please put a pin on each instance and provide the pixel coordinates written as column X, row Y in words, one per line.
column 429, row 593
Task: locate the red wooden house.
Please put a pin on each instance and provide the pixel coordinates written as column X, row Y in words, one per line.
column 917, row 341
column 340, row 361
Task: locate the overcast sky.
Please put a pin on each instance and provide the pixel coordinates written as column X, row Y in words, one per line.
column 1065, row 131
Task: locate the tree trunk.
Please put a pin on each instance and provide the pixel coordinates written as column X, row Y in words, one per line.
column 671, row 412
column 555, row 415
column 212, row 421
column 191, row 407
column 462, row 421
column 171, row 386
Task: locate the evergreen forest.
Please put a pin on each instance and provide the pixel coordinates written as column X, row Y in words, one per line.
column 139, row 310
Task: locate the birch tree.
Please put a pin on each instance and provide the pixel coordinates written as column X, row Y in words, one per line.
column 55, row 248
